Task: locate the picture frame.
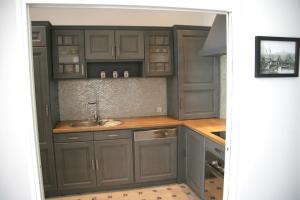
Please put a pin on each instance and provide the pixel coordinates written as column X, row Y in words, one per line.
column 276, row 56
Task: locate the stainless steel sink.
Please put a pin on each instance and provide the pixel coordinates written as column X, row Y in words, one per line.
column 84, row 124
column 102, row 122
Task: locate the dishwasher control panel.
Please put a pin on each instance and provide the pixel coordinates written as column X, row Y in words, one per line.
column 155, row 134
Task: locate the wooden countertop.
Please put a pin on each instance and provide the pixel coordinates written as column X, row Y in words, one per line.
column 201, row 126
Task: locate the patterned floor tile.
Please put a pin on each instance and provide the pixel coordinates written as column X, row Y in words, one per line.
column 165, row 192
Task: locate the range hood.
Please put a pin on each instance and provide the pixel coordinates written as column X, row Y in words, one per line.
column 215, row 44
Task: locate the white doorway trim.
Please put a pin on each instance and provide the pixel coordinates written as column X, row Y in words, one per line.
column 208, row 6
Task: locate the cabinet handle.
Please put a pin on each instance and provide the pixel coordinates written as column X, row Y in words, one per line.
column 97, row 164
column 112, row 135
column 93, row 166
column 47, row 110
column 112, row 51
column 73, row 138
column 118, row 51
column 82, row 69
column 218, row 151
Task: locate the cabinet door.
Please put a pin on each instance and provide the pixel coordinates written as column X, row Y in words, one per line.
column 129, row 45
column 68, row 54
column 114, row 163
column 38, row 36
column 158, row 53
column 41, row 79
column 75, row 165
column 198, row 77
column 48, row 168
column 156, row 160
column 100, row 44
column 195, row 161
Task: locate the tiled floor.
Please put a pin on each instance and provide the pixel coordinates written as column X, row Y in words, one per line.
column 165, row 192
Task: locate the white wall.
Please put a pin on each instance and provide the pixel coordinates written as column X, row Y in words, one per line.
column 121, row 17
column 18, row 165
column 269, row 135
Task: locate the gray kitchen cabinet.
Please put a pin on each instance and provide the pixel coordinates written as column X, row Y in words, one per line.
column 75, row 165
column 38, row 34
column 129, row 44
column 194, row 90
column 68, row 54
column 46, row 102
column 48, row 168
column 155, row 160
column 195, row 161
column 158, row 53
column 100, row 44
column 114, row 45
column 114, row 162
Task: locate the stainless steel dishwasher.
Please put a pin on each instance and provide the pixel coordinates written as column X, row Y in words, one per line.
column 155, row 155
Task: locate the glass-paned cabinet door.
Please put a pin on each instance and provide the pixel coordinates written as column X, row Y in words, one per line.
column 68, row 54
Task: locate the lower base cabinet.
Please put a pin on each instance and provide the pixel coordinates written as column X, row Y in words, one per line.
column 114, row 162
column 48, row 168
column 195, row 161
column 75, row 165
column 84, row 164
column 155, row 160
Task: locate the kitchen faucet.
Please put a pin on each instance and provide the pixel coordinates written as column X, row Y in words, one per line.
column 95, row 114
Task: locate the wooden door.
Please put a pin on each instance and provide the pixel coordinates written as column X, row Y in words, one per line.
column 156, row 160
column 198, row 77
column 68, row 54
column 114, row 162
column 195, row 161
column 75, row 165
column 129, row 45
column 100, row 44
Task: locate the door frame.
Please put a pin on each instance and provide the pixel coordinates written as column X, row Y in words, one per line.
column 233, row 91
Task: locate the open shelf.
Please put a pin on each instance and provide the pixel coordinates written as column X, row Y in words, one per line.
column 135, row 69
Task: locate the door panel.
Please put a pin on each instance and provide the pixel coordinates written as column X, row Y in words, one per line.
column 198, row 77
column 40, row 62
column 48, row 167
column 195, row 161
column 68, row 54
column 114, row 162
column 100, row 44
column 75, row 165
column 130, row 44
column 156, row 160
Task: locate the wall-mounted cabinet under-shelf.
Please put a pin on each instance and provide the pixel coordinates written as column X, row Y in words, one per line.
column 134, row 69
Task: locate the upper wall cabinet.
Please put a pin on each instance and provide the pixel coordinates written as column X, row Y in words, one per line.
column 68, row 54
column 158, row 53
column 194, row 90
column 111, row 45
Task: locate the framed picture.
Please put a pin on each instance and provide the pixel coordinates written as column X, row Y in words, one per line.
column 276, row 56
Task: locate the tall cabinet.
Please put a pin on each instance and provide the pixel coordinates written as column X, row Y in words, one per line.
column 46, row 101
column 193, row 90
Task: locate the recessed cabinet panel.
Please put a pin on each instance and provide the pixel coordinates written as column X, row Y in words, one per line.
column 114, row 162
column 195, row 161
column 75, row 165
column 99, row 44
column 48, row 167
column 195, row 101
column 68, row 54
column 155, row 160
column 129, row 45
column 38, row 35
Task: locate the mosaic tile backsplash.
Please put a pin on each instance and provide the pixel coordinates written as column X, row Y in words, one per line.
column 116, row 98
